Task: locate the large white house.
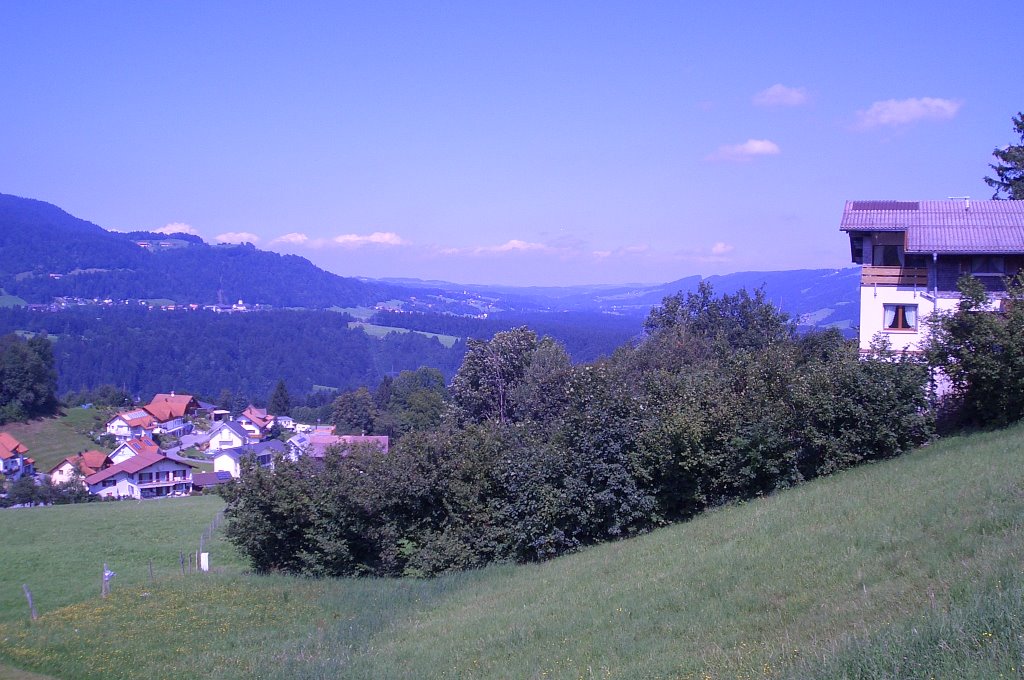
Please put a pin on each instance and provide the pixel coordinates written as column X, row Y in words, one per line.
column 913, row 253
column 145, row 475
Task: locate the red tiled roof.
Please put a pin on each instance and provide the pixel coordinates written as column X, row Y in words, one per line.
column 140, row 445
column 87, row 462
column 138, row 418
column 10, row 447
column 169, row 406
column 258, row 416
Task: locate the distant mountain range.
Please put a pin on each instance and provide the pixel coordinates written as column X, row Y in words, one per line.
column 46, row 253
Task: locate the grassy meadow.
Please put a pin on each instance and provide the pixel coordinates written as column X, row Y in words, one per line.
column 377, row 331
column 910, row 568
column 59, row 551
column 49, row 440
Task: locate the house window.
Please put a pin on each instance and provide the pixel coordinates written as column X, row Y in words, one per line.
column 107, row 483
column 888, row 255
column 988, row 265
column 145, row 477
column 900, row 318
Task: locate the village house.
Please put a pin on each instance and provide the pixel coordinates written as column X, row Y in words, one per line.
column 85, row 463
column 913, row 252
column 228, row 460
column 227, row 434
column 164, row 414
column 256, row 421
column 144, row 475
column 14, row 464
column 316, row 444
column 133, row 447
column 136, row 423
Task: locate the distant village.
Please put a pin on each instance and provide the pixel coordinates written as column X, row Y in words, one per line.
column 139, row 468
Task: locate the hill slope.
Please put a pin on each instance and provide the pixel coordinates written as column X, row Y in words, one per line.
column 38, row 240
column 902, row 569
column 46, row 253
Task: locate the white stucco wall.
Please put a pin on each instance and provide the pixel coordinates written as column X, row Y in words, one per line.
column 226, row 462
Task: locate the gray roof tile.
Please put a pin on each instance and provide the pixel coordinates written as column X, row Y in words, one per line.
column 953, row 226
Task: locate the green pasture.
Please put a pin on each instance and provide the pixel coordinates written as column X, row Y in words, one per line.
column 49, row 440
column 59, row 551
column 376, row 331
column 910, row 568
column 7, row 300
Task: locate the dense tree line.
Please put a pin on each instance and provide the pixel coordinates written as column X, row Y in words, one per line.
column 28, row 381
column 144, row 351
column 536, row 456
column 585, row 335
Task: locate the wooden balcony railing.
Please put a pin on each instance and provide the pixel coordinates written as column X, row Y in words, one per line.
column 893, row 276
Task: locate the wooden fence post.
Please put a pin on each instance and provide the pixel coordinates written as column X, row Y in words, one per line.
column 31, row 605
column 181, row 560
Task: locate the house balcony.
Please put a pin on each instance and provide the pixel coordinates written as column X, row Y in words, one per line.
column 874, row 275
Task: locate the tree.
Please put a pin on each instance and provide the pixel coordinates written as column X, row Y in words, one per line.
column 489, row 373
column 981, row 353
column 28, row 381
column 280, row 402
column 1009, row 177
column 354, row 412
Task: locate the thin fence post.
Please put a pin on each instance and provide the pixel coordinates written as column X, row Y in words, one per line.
column 104, row 584
column 181, row 560
column 151, row 571
column 31, row 605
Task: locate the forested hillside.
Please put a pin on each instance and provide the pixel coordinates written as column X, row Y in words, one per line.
column 147, row 351
column 38, row 240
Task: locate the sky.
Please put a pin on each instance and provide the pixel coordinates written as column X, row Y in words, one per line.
column 516, row 143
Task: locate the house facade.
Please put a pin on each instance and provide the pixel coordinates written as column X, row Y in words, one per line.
column 145, row 475
column 133, row 447
column 136, row 423
column 913, row 252
column 227, row 435
column 227, row 460
column 14, row 463
column 84, row 464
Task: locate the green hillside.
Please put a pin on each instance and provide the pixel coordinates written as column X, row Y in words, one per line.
column 904, row 569
column 49, row 440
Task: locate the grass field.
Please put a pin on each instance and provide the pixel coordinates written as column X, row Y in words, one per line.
column 910, row 568
column 11, row 300
column 59, row 551
column 376, row 331
column 49, row 440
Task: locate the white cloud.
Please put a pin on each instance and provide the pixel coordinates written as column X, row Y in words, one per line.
column 895, row 112
column 379, row 238
column 745, row 151
column 510, row 246
column 294, row 238
column 722, row 248
column 237, row 237
column 780, row 95
column 176, row 228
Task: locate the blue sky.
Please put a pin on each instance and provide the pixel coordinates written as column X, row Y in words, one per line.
column 546, row 143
